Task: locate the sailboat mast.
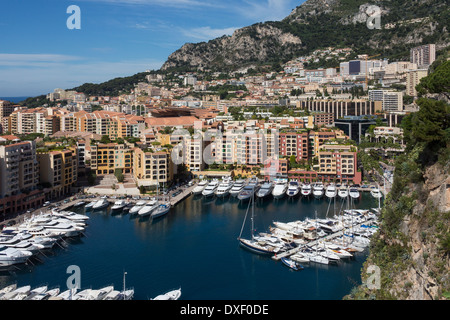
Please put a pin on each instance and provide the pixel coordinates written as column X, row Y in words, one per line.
column 253, row 211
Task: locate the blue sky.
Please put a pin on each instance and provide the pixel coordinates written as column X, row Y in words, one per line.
column 38, row 53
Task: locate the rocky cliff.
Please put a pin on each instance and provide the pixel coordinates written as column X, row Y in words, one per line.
column 318, row 24
column 412, row 247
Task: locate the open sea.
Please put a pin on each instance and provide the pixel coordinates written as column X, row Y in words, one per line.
column 195, row 247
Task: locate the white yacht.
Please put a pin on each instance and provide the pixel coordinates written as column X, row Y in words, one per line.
column 210, row 188
column 171, row 295
column 265, row 190
column 101, row 204
column 343, row 192
column 148, row 208
column 200, row 187
column 90, row 205
column 280, row 188
column 353, row 193
column 237, row 188
column 306, row 189
column 331, row 191
column 10, row 256
column 138, row 206
column 376, row 193
column 119, row 205
column 224, row 188
column 293, row 188
column 318, row 191
column 70, row 215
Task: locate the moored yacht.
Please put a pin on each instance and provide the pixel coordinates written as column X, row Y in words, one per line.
column 161, row 210
column 293, row 188
column 280, row 188
column 148, row 208
column 10, row 256
column 247, row 192
column 331, row 191
column 343, row 192
column 224, row 188
column 200, row 187
column 376, row 193
column 138, row 206
column 237, row 188
column 318, row 190
column 119, row 205
column 353, row 193
column 101, row 204
column 306, row 189
column 265, row 190
column 211, row 188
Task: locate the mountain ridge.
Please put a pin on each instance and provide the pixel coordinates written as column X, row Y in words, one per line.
column 317, row 24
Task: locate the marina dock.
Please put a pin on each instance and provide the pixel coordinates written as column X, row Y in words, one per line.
column 312, row 243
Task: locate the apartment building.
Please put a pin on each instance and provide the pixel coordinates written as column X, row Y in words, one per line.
column 413, row 79
column 391, row 100
column 338, row 163
column 151, row 168
column 106, row 158
column 37, row 120
column 294, row 144
column 58, row 171
column 342, row 108
column 19, row 172
column 6, row 108
column 424, row 55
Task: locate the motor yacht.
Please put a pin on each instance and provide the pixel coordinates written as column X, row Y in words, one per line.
column 198, row 189
column 148, row 208
column 10, row 256
column 280, row 188
column 265, row 190
column 224, row 188
column 237, row 188
column 376, row 193
column 210, row 188
column 318, row 190
column 354, row 193
column 101, row 204
column 343, row 192
column 331, row 191
column 306, row 190
column 293, row 188
column 138, row 206
column 171, row 295
column 247, row 192
column 119, row 205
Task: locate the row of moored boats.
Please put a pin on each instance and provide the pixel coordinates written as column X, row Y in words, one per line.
column 12, row 292
column 38, row 233
column 142, row 208
column 278, row 189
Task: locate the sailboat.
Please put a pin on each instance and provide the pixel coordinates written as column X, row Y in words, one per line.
column 252, row 244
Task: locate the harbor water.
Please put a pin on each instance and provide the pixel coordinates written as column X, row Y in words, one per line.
column 195, row 247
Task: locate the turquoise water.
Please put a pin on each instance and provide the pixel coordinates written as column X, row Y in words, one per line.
column 195, row 247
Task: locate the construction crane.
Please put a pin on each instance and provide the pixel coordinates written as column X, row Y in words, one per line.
column 367, row 69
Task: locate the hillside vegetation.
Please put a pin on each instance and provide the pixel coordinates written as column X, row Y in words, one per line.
column 412, row 247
